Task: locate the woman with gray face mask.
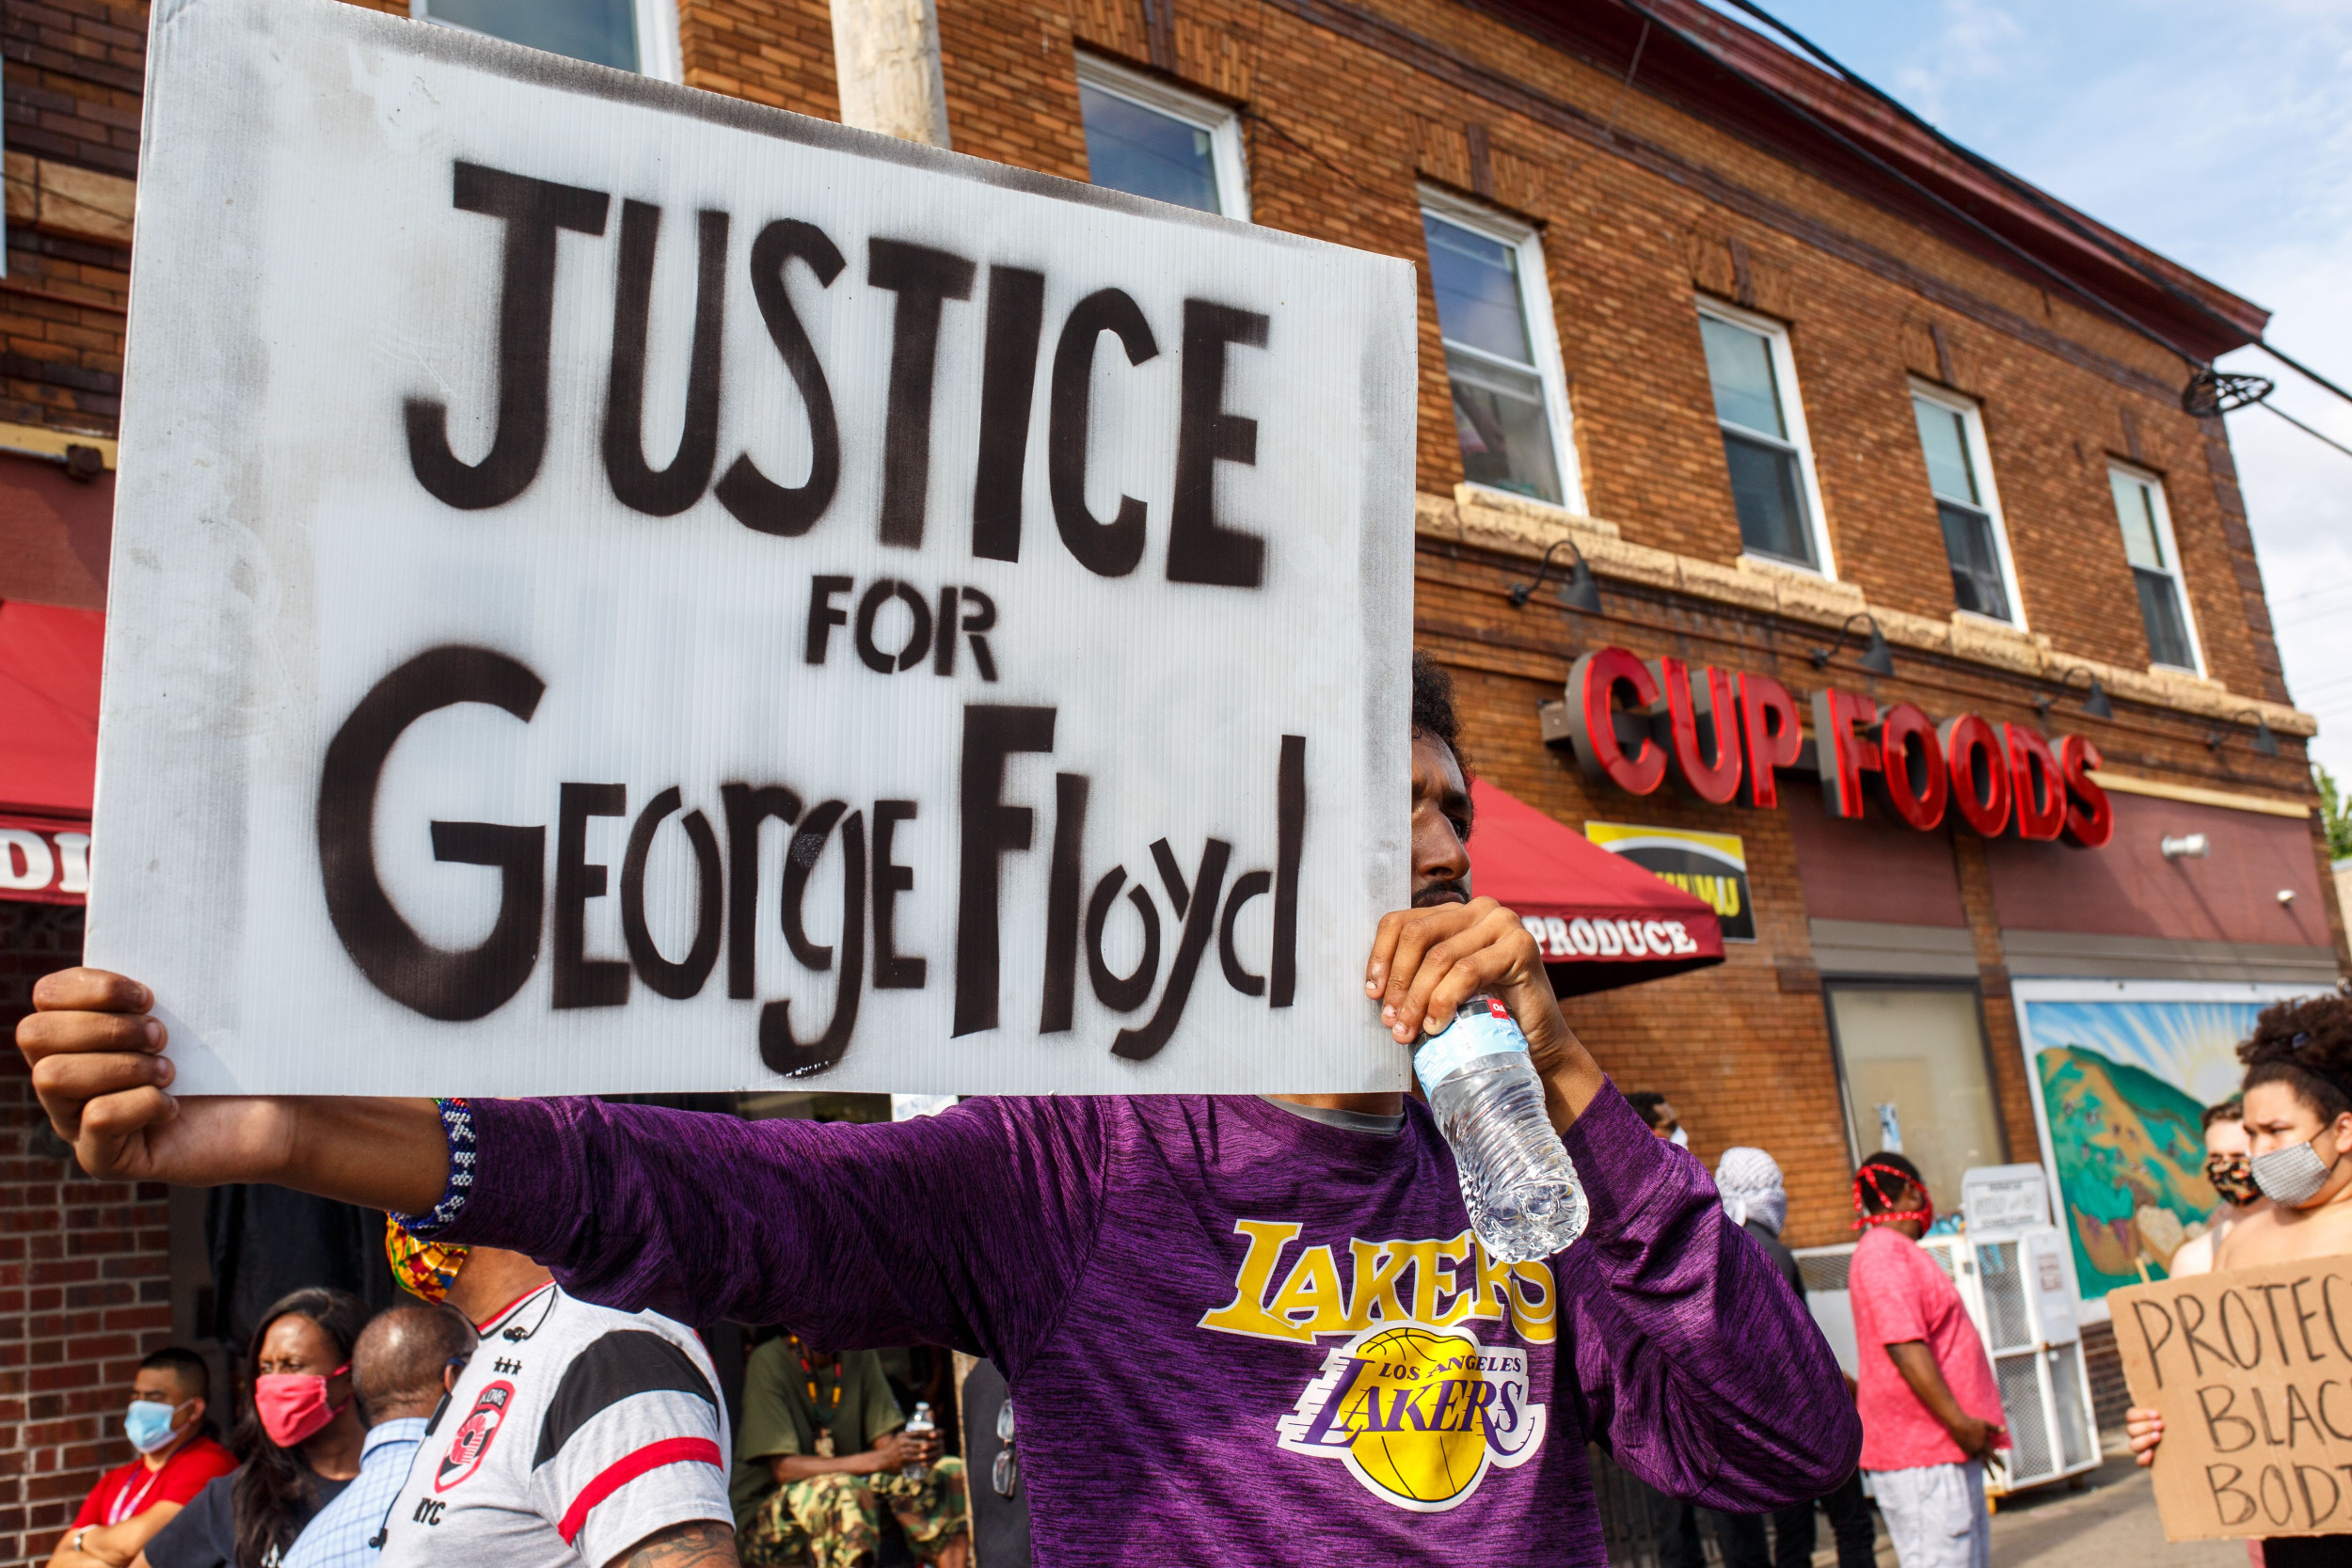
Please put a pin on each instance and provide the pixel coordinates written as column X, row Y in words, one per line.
column 2298, row 1122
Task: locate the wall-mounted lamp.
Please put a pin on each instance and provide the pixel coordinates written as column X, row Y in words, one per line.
column 1875, row 655
column 2286, row 896
column 2094, row 698
column 2195, row 846
column 2265, row 742
column 1577, row 589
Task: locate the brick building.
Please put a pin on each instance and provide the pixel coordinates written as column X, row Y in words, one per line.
column 1783, row 372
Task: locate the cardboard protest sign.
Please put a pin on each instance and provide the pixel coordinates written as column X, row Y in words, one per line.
column 617, row 589
column 2252, row 1370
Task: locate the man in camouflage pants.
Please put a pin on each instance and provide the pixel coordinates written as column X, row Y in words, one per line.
column 822, row 1450
column 835, row 1521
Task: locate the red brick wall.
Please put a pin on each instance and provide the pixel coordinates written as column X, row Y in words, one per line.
column 84, row 1279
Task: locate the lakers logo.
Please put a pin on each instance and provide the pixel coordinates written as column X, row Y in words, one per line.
column 471, row 1445
column 1417, row 1413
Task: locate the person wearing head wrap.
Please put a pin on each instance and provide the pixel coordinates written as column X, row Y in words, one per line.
column 1750, row 1183
column 1757, row 1200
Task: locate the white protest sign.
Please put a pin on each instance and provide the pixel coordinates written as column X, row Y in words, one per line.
column 617, row 589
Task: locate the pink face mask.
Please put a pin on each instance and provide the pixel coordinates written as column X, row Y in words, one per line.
column 293, row 1405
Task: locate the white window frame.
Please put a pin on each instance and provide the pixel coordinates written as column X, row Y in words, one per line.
column 1543, row 332
column 658, row 52
column 1988, row 495
column 2163, row 512
column 1227, row 155
column 1776, row 335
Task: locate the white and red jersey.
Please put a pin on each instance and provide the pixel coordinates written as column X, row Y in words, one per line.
column 575, row 1432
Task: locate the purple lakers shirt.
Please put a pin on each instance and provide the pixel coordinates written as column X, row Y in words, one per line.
column 1232, row 1333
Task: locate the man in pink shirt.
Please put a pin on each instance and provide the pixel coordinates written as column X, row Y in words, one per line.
column 1931, row 1412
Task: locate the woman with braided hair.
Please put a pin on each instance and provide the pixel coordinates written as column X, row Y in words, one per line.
column 1931, row 1411
column 2298, row 1124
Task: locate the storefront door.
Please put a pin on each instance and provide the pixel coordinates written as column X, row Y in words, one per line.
column 1917, row 1077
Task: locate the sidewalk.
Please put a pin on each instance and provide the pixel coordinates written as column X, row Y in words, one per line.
column 2110, row 1522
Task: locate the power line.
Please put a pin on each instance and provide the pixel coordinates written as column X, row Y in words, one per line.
column 2315, row 434
column 1788, row 102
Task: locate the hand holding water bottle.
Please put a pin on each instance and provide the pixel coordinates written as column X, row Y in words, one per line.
column 1428, row 961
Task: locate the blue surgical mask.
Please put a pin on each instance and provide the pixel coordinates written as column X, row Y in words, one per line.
column 148, row 1424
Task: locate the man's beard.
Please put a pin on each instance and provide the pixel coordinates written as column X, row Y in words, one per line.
column 1453, row 891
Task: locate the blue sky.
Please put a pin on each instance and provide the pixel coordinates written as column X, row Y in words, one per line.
column 2220, row 135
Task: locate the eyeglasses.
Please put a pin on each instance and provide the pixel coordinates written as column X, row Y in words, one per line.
column 1004, row 1474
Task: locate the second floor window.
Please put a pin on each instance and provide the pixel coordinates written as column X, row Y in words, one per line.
column 1494, row 315
column 2156, row 568
column 1146, row 139
column 1951, row 437
column 628, row 35
column 1773, row 487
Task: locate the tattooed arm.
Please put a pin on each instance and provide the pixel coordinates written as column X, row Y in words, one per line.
column 696, row 1544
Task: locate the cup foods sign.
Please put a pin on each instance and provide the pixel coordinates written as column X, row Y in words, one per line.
column 691, row 597
column 1724, row 737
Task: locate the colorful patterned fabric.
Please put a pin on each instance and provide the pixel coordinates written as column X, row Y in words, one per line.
column 458, row 1122
column 424, row 1268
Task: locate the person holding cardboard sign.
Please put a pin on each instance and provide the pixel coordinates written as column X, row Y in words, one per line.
column 1264, row 1327
column 2298, row 1115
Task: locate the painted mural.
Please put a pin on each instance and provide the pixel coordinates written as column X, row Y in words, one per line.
column 2124, row 1086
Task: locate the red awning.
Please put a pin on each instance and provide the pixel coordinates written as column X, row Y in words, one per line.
column 1601, row 921
column 48, row 661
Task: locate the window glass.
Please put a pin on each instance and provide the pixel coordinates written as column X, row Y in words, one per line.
column 1500, row 413
column 1969, row 540
column 1145, row 152
column 1944, row 436
column 1917, row 1074
column 2160, row 614
column 601, row 31
column 2139, row 508
column 1476, row 280
column 1740, row 363
column 1769, row 493
column 1977, row 582
column 2136, row 509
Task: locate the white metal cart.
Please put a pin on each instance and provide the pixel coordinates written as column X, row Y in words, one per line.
column 2018, row 1292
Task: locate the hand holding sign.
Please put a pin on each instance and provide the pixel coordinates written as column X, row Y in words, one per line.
column 2248, row 1377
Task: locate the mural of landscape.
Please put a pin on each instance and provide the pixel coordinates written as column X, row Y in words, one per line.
column 2124, row 1086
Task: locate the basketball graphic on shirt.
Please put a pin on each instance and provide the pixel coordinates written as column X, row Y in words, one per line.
column 1417, row 1413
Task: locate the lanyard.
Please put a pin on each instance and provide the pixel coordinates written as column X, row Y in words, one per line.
column 808, row 1369
column 126, row 1503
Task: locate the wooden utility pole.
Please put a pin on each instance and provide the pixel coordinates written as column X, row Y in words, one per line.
column 886, row 58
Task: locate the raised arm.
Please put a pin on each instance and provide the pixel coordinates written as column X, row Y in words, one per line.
column 1697, row 1365
column 956, row 1229
column 962, row 1228
column 97, row 1061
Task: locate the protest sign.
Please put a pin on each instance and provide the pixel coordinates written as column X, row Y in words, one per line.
column 2252, row 1370
column 617, row 589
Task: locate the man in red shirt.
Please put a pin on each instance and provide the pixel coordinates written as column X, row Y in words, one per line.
column 1931, row 1411
column 165, row 1424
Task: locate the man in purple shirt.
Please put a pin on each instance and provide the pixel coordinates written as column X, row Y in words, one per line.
column 1237, row 1328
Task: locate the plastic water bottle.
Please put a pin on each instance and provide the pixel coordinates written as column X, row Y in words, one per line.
column 1518, row 1181
column 921, row 1426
